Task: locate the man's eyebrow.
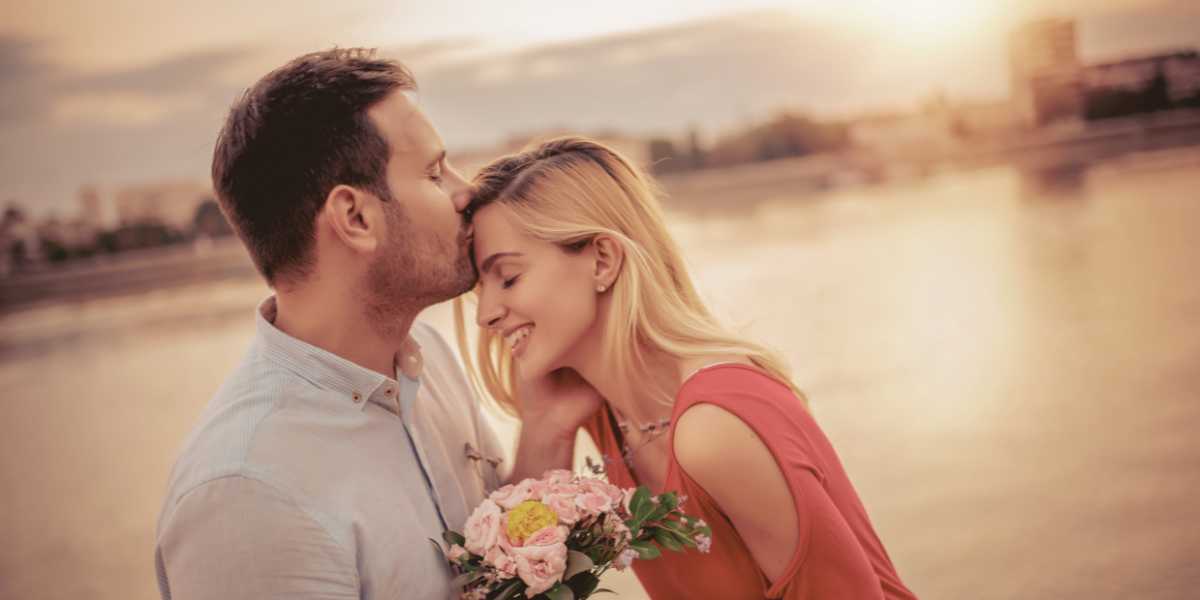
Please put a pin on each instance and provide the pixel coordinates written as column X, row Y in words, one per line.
column 487, row 264
column 437, row 159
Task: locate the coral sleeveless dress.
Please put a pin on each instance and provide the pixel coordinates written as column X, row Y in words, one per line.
column 838, row 556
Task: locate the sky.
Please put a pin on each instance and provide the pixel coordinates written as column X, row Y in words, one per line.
column 122, row 91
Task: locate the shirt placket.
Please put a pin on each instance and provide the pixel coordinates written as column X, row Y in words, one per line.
column 406, row 400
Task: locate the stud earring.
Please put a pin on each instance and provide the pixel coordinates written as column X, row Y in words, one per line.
column 601, row 288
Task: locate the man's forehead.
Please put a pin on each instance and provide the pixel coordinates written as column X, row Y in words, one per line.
column 400, row 119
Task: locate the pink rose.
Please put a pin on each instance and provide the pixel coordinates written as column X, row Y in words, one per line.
column 502, row 561
column 616, row 494
column 511, row 495
column 593, row 503
column 618, row 530
column 538, row 489
column 456, row 552
column 626, row 558
column 703, row 544
column 548, row 536
column 563, row 505
column 483, row 528
column 540, row 567
column 594, row 486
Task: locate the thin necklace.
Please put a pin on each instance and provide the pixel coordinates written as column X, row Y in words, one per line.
column 650, row 432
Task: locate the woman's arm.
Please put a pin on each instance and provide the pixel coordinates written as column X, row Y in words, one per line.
column 726, row 457
column 553, row 409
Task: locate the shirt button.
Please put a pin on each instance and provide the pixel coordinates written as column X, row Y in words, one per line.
column 388, row 391
column 357, row 397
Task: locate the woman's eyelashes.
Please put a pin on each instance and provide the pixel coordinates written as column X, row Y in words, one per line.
column 507, row 283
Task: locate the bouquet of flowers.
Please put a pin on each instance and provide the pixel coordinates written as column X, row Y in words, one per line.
column 552, row 538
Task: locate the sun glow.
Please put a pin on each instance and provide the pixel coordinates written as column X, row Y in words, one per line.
column 916, row 20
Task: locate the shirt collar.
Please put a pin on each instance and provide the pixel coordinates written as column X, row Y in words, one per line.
column 332, row 372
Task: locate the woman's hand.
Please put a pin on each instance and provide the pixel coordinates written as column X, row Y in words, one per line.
column 557, row 404
column 553, row 408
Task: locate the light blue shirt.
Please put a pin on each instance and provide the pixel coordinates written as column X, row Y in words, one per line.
column 309, row 476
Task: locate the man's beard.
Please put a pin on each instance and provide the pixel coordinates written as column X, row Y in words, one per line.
column 413, row 272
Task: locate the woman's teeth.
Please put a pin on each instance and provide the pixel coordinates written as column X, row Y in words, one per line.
column 515, row 338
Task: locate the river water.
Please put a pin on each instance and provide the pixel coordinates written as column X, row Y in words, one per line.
column 1008, row 364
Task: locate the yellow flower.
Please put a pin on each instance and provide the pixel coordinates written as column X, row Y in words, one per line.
column 527, row 518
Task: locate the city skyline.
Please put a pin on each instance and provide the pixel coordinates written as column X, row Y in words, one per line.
column 128, row 115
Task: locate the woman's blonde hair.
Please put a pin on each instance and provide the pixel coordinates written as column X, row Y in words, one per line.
column 566, row 192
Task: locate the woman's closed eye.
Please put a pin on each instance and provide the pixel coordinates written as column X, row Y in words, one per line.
column 510, row 281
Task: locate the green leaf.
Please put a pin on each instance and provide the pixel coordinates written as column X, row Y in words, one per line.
column 679, row 529
column 657, row 513
column 640, row 503
column 635, row 526
column 507, row 591
column 667, row 540
column 646, row 550
column 577, row 562
column 669, row 500
column 560, row 592
column 583, row 584
column 465, row 579
column 453, row 538
column 684, row 539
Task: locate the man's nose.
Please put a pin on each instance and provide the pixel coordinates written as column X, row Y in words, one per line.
column 460, row 191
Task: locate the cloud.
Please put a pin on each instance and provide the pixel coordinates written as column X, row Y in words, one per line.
column 25, row 77
column 62, row 128
column 715, row 72
column 193, row 71
column 43, row 93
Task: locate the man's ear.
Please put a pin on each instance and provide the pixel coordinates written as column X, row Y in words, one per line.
column 355, row 217
column 609, row 255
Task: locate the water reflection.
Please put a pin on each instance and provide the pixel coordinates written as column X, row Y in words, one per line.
column 1006, row 362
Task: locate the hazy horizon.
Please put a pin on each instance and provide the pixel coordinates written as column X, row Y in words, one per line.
column 131, row 92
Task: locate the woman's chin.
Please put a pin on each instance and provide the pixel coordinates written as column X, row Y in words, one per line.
column 529, row 369
column 531, row 366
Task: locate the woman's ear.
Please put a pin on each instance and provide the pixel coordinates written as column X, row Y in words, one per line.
column 609, row 255
column 354, row 218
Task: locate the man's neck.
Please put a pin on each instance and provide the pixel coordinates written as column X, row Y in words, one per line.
column 339, row 325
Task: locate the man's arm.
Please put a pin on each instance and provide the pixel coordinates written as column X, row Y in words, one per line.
column 235, row 538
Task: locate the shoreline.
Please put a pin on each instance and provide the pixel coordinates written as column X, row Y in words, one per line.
column 704, row 193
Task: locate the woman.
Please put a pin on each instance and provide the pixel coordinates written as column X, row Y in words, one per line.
column 578, row 274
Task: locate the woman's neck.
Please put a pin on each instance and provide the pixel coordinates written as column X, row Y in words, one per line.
column 638, row 402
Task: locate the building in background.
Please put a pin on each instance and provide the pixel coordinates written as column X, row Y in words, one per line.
column 469, row 163
column 1044, row 69
column 171, row 204
column 1142, row 84
column 19, row 242
column 1051, row 85
column 97, row 209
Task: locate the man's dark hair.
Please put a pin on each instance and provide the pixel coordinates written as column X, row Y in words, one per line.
column 292, row 137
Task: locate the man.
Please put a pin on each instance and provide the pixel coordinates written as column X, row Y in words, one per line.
column 348, row 436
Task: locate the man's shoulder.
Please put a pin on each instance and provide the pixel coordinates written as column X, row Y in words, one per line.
column 431, row 341
column 224, row 433
column 442, row 366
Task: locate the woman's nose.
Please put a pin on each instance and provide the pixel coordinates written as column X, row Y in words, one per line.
column 489, row 314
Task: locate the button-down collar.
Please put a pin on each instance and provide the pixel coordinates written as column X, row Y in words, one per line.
column 329, row 371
